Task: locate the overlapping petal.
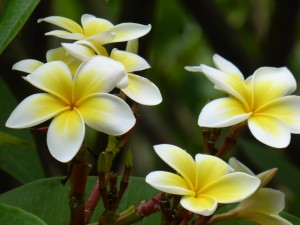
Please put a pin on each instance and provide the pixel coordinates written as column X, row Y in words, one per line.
column 60, row 54
column 65, row 35
column 131, row 61
column 34, row 110
column 271, row 83
column 223, row 112
column 179, row 160
column 270, row 130
column 65, row 135
column 80, row 52
column 239, row 167
column 287, row 109
column 106, row 113
column 216, row 167
column 129, row 31
column 232, row 84
column 169, row 183
column 232, row 187
column 53, row 77
column 142, row 90
column 27, row 65
column 64, row 23
column 227, row 67
column 262, row 207
column 93, row 25
column 203, row 205
column 96, row 75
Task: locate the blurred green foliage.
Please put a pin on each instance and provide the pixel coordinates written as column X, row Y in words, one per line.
column 250, row 33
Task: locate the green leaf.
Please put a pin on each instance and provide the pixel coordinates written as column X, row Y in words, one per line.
column 18, row 156
column 293, row 219
column 48, row 199
column 10, row 215
column 9, row 140
column 14, row 17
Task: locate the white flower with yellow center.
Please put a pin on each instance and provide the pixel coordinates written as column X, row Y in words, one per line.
column 138, row 88
column 203, row 182
column 94, row 31
column 74, row 101
column 263, row 207
column 263, row 100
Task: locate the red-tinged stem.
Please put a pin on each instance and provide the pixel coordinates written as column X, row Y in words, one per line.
column 78, row 178
column 230, row 140
column 92, row 202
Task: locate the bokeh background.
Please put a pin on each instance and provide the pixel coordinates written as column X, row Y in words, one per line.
column 249, row 33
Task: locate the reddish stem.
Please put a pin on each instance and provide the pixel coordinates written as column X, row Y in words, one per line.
column 78, row 178
column 92, row 202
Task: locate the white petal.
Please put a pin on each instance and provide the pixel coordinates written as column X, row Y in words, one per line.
column 142, row 90
column 97, row 48
column 80, row 52
column 193, row 68
column 53, row 77
column 97, row 74
column 129, row 31
column 287, row 109
column 107, row 113
column 270, row 83
column 265, row 200
column 203, row 205
column 270, row 130
column 60, row 54
column 100, row 39
column 169, row 182
column 64, row 23
column 93, row 25
column 216, row 167
column 239, row 167
column 232, row 187
column 232, row 84
column 27, row 65
column 222, row 112
column 179, row 160
column 226, row 66
column 35, row 110
column 65, row 135
column 65, row 35
column 131, row 62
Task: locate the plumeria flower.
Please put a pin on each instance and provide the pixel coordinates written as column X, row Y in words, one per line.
column 203, row 182
column 95, row 31
column 263, row 100
column 138, row 88
column 263, row 207
column 74, row 101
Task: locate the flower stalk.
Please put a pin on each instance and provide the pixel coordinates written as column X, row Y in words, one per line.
column 78, row 178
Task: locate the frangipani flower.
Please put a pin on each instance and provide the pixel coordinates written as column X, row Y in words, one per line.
column 203, row 183
column 95, row 31
column 138, row 88
column 74, row 101
column 263, row 100
column 263, row 207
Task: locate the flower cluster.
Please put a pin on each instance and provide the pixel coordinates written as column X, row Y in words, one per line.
column 76, row 81
column 207, row 183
